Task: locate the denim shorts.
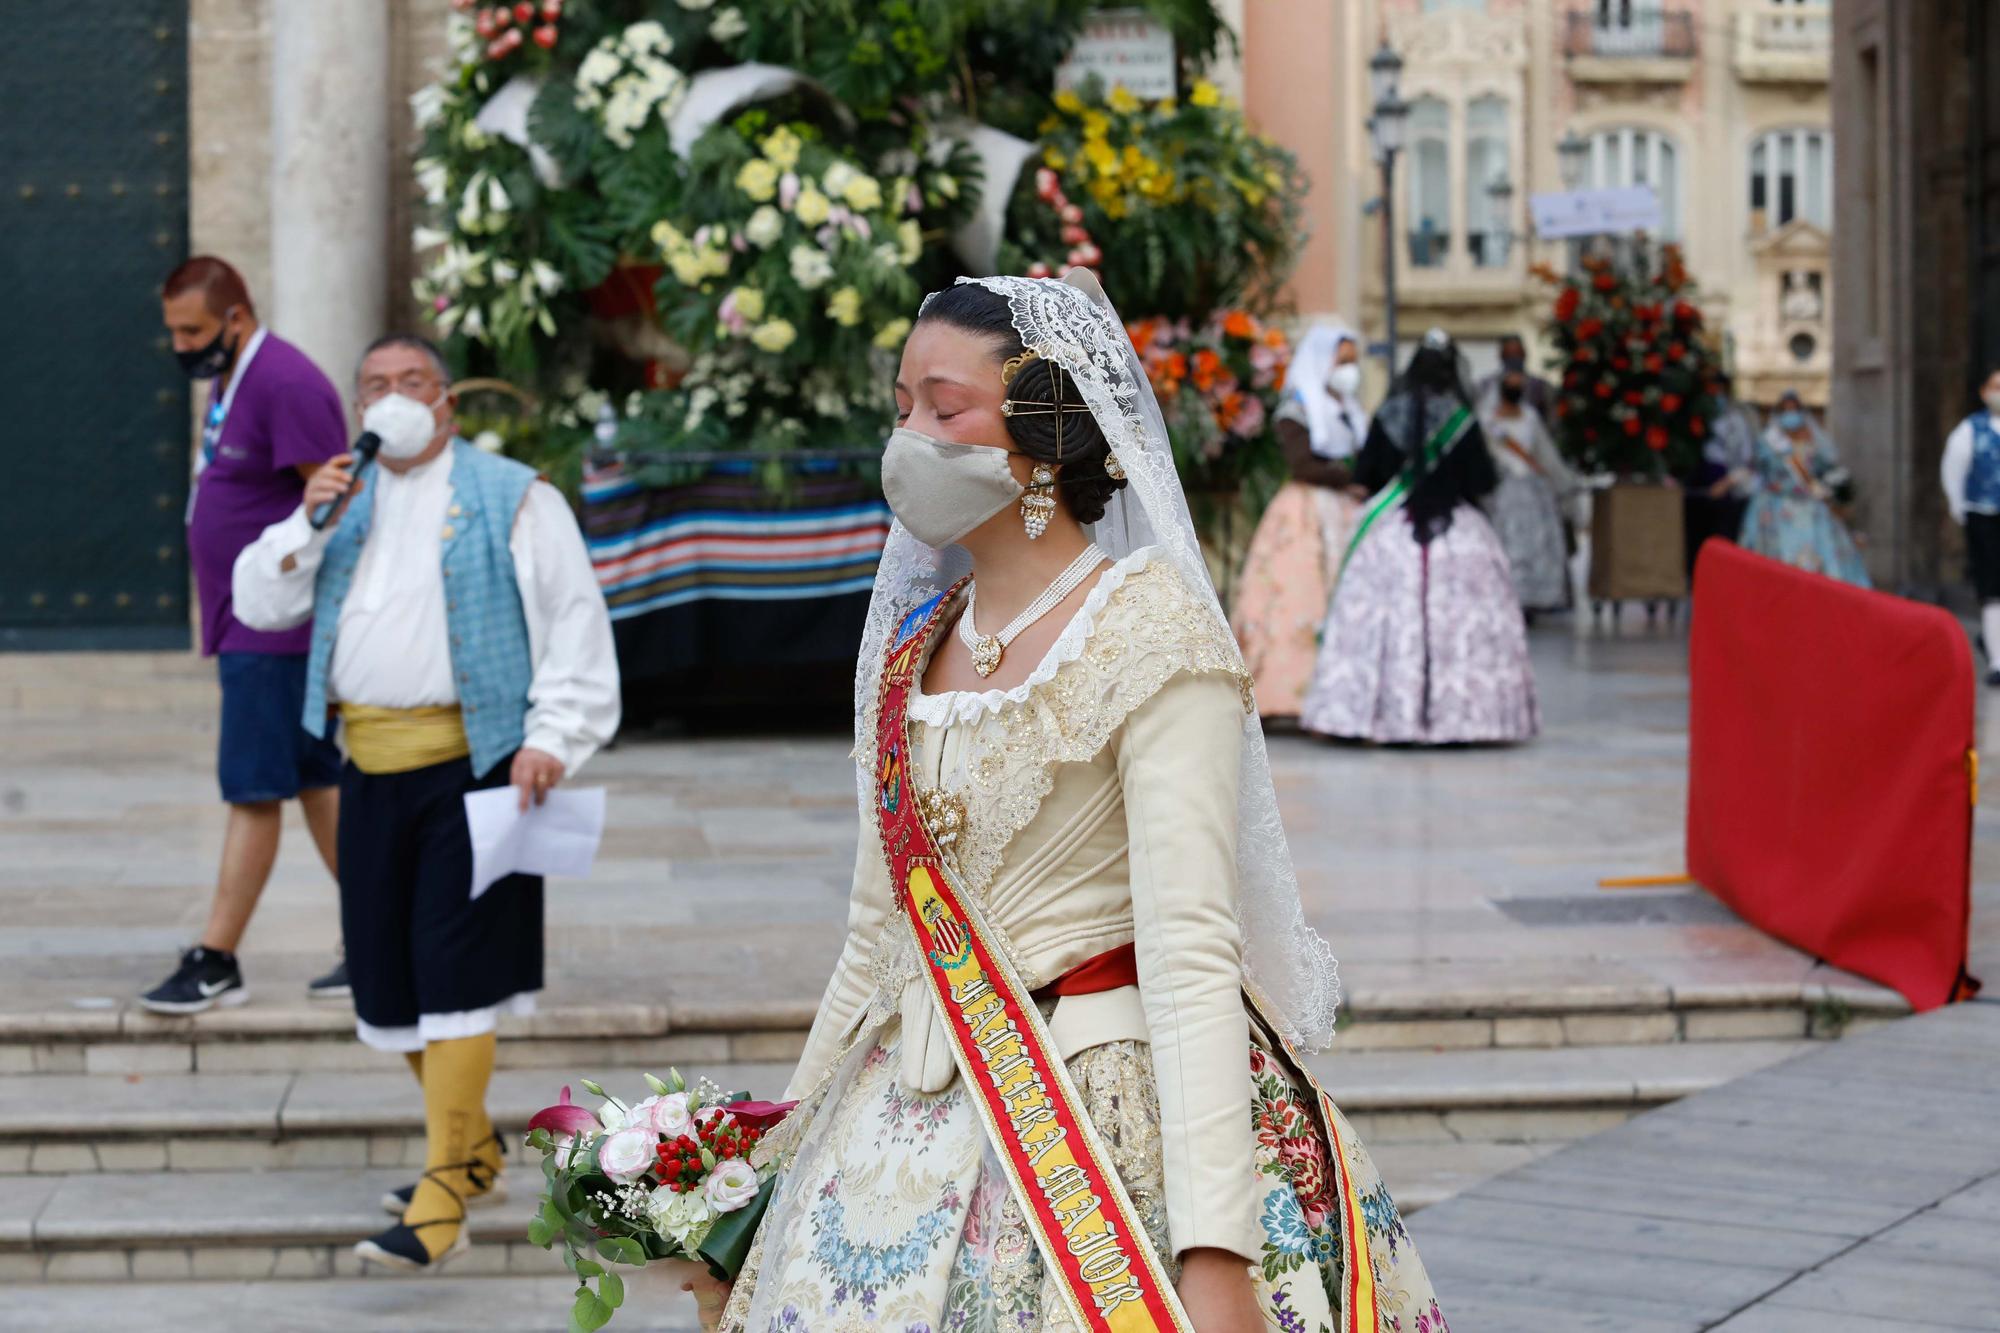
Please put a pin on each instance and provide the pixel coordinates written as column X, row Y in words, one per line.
column 265, row 753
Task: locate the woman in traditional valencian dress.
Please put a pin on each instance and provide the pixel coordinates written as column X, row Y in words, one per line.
column 1053, row 1082
column 1288, row 574
column 1526, row 508
column 1794, row 476
column 1425, row 643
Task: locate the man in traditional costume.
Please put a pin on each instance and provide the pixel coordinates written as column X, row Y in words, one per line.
column 460, row 636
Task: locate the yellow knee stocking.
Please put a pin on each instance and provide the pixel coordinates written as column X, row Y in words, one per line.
column 455, row 1075
column 485, row 1146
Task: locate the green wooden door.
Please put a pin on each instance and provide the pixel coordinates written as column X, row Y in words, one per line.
column 93, row 214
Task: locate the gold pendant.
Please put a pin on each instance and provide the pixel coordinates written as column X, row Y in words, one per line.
column 986, row 653
column 944, row 815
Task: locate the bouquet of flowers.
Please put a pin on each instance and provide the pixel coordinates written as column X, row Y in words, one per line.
column 1218, row 384
column 1639, row 379
column 666, row 1178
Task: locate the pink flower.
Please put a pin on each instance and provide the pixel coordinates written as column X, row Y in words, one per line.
column 1039, row 270
column 1250, row 420
column 759, row 1115
column 1264, row 358
column 1071, row 213
column 1046, row 184
column 859, row 226
column 914, row 202
column 628, row 1154
column 788, row 190
column 738, row 244
column 730, row 317
column 666, row 1115
column 565, row 1117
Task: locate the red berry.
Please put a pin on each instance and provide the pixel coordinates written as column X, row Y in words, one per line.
column 524, row 12
column 545, row 37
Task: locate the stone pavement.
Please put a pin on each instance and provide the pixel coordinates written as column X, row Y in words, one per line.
column 1449, row 882
column 1856, row 1187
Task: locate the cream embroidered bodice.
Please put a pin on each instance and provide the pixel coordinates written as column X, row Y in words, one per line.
column 1098, row 806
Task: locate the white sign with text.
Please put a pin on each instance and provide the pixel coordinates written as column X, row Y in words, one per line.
column 1122, row 46
column 1609, row 212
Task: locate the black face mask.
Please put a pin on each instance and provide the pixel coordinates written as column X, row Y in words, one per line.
column 1513, row 363
column 1511, row 393
column 205, row 363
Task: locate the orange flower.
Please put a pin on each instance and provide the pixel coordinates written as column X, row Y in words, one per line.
column 1177, row 366
column 1207, row 365
column 1238, row 324
column 1274, row 338
column 1141, row 335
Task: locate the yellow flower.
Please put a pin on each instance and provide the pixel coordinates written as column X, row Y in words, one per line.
column 899, row 193
column 782, row 146
column 1121, row 100
column 749, row 302
column 1067, row 100
column 667, row 236
column 1205, row 94
column 812, row 206
column 715, row 261
column 863, row 193
column 1166, row 106
column 687, row 267
column 758, row 179
column 1048, row 124
column 1055, row 158
column 1102, row 156
column 909, row 241
column 1095, row 124
column 774, row 335
column 890, row 336
column 845, row 307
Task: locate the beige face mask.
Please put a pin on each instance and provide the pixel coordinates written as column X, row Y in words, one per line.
column 942, row 491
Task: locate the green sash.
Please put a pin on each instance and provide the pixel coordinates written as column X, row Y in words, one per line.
column 1392, row 497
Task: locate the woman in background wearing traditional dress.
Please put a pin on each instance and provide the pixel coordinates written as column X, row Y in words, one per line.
column 1526, row 507
column 1073, row 885
column 1425, row 643
column 1288, row 576
column 1790, row 519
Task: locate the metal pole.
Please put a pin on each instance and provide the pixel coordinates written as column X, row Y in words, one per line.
column 1389, row 256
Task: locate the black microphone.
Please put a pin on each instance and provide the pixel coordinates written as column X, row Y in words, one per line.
column 364, row 454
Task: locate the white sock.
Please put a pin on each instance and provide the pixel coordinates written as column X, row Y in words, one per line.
column 1989, row 622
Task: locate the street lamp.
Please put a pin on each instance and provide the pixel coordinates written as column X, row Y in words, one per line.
column 1386, row 127
column 1500, row 195
column 1572, row 155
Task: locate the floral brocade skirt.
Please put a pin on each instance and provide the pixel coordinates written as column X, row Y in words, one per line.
column 904, row 1220
column 1281, row 597
column 1802, row 532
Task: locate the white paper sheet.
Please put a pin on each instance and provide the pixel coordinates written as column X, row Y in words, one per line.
column 557, row 837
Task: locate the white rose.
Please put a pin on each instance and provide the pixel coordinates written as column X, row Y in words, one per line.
column 628, row 1154
column 666, row 1116
column 681, row 1219
column 811, row 269
column 732, row 1185
column 728, row 24
column 764, row 228
column 696, row 4
column 488, row 441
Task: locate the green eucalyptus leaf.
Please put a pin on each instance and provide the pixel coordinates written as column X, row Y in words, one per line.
column 611, row 1290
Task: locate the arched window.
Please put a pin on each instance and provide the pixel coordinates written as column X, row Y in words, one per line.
column 1429, row 221
column 1791, row 176
column 1487, row 225
column 1639, row 157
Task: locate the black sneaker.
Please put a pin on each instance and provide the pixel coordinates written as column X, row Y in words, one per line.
column 332, row 986
column 398, row 1247
column 1993, row 677
column 205, row 978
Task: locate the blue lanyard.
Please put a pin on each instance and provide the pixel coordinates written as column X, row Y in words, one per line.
column 211, row 431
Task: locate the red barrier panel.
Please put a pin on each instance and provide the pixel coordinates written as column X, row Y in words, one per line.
column 1830, row 777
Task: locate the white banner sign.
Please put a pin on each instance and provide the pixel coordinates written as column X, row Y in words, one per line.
column 1125, row 46
column 1612, row 212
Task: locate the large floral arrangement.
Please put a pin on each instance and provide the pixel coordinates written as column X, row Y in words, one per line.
column 676, row 268
column 668, row 1177
column 1637, row 393
column 1218, row 384
column 1179, row 205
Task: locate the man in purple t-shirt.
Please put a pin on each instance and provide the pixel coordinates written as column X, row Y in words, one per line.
column 272, row 419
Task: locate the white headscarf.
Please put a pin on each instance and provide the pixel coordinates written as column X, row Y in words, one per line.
column 1305, row 382
column 1072, row 324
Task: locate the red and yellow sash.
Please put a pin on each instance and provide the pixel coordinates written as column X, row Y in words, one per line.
column 1082, row 1219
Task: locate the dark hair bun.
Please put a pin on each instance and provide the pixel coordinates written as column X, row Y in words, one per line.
column 1052, row 423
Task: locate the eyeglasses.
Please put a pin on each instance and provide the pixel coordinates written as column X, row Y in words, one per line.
column 418, row 384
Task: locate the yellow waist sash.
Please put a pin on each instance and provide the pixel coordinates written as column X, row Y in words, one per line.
column 397, row 740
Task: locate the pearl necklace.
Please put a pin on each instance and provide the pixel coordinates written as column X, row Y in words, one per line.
column 987, row 649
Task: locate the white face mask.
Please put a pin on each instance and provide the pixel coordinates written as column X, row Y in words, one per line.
column 1992, row 401
column 405, row 426
column 1345, row 379
column 942, row 491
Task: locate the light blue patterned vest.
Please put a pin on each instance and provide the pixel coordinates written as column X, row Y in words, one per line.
column 482, row 602
column 1982, row 482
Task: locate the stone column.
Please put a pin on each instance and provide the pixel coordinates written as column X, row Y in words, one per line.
column 330, row 165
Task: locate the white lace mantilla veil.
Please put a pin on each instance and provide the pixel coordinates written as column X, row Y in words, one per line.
column 1071, row 322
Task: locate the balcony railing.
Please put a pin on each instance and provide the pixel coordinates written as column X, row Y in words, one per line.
column 1634, row 34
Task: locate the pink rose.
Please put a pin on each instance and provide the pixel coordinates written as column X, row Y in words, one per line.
column 666, row 1116
column 788, row 190
column 628, row 1154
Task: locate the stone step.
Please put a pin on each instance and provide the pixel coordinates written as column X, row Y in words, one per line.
column 280, row 1036
column 441, row 1304
column 53, row 1124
